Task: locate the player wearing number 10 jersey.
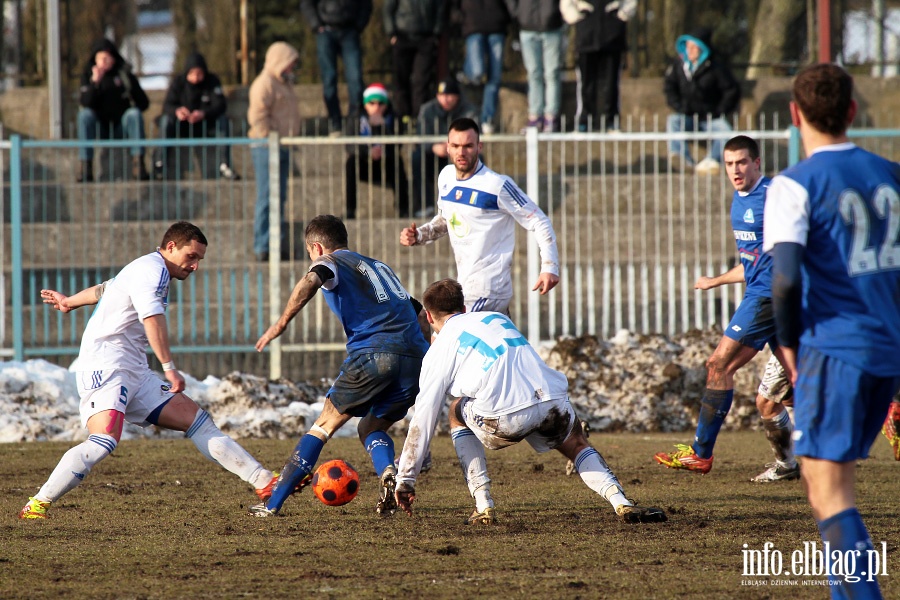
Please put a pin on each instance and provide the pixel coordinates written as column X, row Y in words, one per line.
column 379, row 379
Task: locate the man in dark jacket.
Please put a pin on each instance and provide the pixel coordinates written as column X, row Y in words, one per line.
column 600, row 40
column 484, row 24
column 338, row 25
column 111, row 102
column 195, row 108
column 414, row 28
column 703, row 93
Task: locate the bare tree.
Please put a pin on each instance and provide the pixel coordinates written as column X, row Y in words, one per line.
column 772, row 33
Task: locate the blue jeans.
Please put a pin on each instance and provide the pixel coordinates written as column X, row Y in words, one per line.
column 480, row 49
column 328, row 44
column 677, row 123
column 260, row 156
column 130, row 126
column 542, row 55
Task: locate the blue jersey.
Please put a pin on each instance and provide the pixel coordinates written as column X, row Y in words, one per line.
column 372, row 305
column 747, row 210
column 843, row 205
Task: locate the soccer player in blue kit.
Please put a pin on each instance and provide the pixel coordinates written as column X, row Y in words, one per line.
column 832, row 227
column 749, row 330
column 379, row 379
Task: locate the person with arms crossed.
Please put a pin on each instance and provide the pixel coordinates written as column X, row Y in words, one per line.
column 832, row 225
column 379, row 379
column 478, row 210
column 749, row 330
column 115, row 382
column 503, row 393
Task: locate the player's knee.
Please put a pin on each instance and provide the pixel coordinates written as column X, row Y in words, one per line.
column 456, row 416
column 716, row 369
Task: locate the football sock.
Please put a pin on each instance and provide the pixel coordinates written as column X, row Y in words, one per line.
column 713, row 409
column 473, row 463
column 221, row 449
column 778, row 432
column 845, row 532
column 75, row 464
column 596, row 474
column 298, row 466
column 380, row 447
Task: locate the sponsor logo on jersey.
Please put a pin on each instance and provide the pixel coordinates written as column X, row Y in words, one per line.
column 750, row 256
column 748, row 216
column 745, row 236
column 457, row 225
column 735, row 327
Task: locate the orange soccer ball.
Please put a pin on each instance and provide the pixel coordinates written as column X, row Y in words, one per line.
column 335, row 482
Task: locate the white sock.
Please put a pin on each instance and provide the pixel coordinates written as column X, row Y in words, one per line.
column 74, row 466
column 596, row 475
column 473, row 463
column 219, row 448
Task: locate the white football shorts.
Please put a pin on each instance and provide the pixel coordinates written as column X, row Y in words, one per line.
column 775, row 385
column 134, row 394
column 500, row 305
column 544, row 426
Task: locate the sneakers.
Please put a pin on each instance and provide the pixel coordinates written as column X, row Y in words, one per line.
column 533, row 122
column 387, row 503
column 707, row 166
column 777, row 472
column 35, row 509
column 684, row 458
column 551, row 124
column 227, row 173
column 891, row 426
column 485, row 517
column 260, row 510
column 265, row 493
column 641, row 514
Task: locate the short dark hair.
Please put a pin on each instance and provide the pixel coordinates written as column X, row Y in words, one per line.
column 743, row 142
column 183, row 233
column 444, row 297
column 823, row 93
column 327, row 230
column 465, row 124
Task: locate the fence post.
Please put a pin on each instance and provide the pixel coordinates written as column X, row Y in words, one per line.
column 793, row 146
column 15, row 218
column 274, row 252
column 532, row 270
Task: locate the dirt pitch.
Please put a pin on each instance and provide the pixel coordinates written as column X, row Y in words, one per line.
column 157, row 521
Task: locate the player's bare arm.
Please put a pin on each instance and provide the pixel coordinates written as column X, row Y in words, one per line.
column 302, row 293
column 64, row 304
column 158, row 336
column 732, row 275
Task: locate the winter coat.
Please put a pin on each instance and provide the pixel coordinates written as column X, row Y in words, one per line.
column 117, row 91
column 706, row 87
column 273, row 101
column 414, row 18
column 600, row 30
column 340, row 14
column 483, row 16
column 206, row 95
column 536, row 15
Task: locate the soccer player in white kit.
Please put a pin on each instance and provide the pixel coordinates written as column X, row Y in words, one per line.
column 115, row 382
column 503, row 393
column 478, row 209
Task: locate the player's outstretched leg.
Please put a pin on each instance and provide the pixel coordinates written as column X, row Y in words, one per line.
column 295, row 475
column 380, row 447
column 473, row 463
column 891, row 428
column 778, row 431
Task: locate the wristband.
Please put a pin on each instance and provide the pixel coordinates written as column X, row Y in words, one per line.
column 169, row 366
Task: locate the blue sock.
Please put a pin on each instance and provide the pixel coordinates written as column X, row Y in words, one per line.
column 380, row 447
column 298, row 466
column 845, row 531
column 713, row 409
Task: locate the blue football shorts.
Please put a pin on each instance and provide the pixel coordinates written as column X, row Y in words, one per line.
column 381, row 383
column 753, row 323
column 838, row 408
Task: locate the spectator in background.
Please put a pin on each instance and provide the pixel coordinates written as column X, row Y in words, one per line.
column 337, row 25
column 414, row 28
column 600, row 40
column 702, row 92
column 273, row 107
column 111, row 102
column 428, row 159
column 195, row 108
column 376, row 163
column 484, row 24
column 541, row 36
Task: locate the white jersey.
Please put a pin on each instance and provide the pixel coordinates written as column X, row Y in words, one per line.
column 115, row 337
column 484, row 357
column 480, row 215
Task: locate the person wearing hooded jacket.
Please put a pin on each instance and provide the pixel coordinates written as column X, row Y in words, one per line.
column 195, row 108
column 273, row 107
column 111, row 102
column 702, row 93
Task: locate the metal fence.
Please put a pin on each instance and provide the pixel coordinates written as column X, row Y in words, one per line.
column 633, row 234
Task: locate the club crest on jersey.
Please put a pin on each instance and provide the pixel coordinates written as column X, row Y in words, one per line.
column 748, row 216
column 458, row 194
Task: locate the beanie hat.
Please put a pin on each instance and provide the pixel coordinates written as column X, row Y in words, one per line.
column 376, row 91
column 448, row 85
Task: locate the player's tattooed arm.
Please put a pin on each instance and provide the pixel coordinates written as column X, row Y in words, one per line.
column 302, row 293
